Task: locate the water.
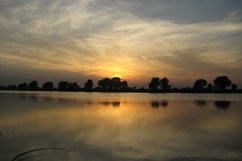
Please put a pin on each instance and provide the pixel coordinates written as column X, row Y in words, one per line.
column 120, row 126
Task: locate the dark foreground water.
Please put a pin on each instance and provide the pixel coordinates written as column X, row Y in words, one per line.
column 120, row 127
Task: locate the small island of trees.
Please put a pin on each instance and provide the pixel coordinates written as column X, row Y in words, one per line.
column 221, row 84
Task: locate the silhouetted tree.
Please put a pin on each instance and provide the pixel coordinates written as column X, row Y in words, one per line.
column 154, row 83
column 124, row 85
column 88, row 85
column 63, row 85
column 22, row 86
column 68, row 86
column 115, row 83
column 234, row 86
column 164, row 83
column 73, row 86
column 200, row 84
column 209, row 87
column 104, row 83
column 48, row 86
column 221, row 82
column 33, row 85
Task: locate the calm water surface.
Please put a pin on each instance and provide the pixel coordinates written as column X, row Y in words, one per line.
column 120, row 126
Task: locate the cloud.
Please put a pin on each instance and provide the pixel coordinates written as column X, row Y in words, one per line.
column 93, row 36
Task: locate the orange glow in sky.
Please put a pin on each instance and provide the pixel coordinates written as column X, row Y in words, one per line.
column 78, row 40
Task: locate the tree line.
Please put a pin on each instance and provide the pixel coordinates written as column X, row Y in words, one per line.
column 115, row 84
column 220, row 83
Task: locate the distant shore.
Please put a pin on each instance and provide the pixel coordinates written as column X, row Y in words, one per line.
column 221, row 84
column 238, row 91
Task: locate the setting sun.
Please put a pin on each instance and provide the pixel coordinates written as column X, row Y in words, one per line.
column 117, row 72
column 108, row 71
column 118, row 75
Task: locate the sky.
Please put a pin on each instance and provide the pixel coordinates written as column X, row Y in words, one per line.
column 74, row 40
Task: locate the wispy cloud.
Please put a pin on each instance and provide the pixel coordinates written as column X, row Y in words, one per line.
column 91, row 37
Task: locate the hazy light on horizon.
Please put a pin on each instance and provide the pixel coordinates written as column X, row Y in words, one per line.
column 136, row 40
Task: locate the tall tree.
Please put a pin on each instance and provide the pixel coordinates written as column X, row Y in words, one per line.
column 209, row 87
column 33, row 85
column 104, row 84
column 116, row 83
column 154, row 83
column 63, row 85
column 124, row 85
column 48, row 86
column 164, row 83
column 234, row 86
column 200, row 84
column 73, row 86
column 88, row 85
column 222, row 82
column 23, row 86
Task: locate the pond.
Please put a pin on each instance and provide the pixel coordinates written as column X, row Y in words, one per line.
column 79, row 126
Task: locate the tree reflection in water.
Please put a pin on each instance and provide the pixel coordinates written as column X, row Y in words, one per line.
column 224, row 105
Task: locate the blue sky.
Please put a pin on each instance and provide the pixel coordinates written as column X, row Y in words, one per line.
column 74, row 40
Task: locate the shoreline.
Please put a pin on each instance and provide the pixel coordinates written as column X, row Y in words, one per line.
column 239, row 91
